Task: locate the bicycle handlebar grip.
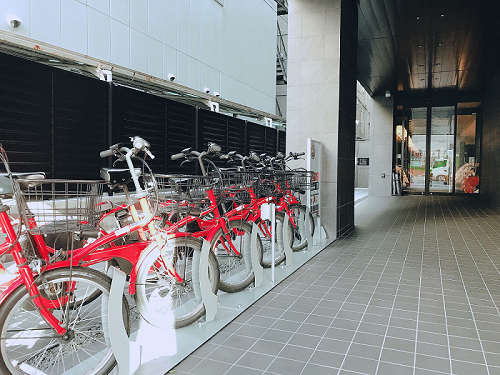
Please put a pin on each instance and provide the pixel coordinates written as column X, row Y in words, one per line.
column 106, row 153
column 177, row 156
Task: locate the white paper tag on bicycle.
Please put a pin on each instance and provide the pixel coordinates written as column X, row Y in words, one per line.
column 265, row 211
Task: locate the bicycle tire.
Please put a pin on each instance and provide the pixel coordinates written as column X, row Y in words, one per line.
column 236, row 272
column 279, row 248
column 161, row 300
column 42, row 348
column 299, row 239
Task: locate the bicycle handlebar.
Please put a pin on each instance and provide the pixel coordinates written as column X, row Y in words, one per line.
column 106, row 153
column 178, row 156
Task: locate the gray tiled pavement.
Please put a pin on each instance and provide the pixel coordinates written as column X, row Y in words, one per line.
column 414, row 290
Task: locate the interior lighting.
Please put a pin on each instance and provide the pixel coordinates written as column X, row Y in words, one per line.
column 419, row 18
column 442, row 14
column 54, row 61
column 440, row 44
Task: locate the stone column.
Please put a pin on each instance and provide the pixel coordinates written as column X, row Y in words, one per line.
column 321, row 104
column 381, row 138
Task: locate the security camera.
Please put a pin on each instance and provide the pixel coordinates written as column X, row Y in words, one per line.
column 171, row 77
column 216, row 94
column 206, row 90
column 13, row 21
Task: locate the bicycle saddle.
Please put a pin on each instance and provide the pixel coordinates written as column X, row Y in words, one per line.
column 25, row 180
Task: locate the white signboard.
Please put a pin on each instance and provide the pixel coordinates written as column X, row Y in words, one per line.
column 313, row 159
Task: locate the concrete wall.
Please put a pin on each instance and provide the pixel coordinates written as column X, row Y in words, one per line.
column 490, row 155
column 318, row 70
column 381, row 133
column 230, row 49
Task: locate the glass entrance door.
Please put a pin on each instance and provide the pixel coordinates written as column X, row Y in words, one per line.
column 442, row 141
column 437, row 149
column 416, row 146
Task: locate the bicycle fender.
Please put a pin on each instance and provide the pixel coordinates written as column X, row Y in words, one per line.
column 133, row 273
column 7, row 292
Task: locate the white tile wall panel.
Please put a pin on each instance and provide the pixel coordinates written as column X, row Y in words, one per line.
column 169, row 62
column 139, row 15
column 155, row 21
column 120, row 43
column 194, row 74
column 183, row 24
column 45, row 24
column 197, row 40
column 99, row 35
column 195, row 29
column 182, row 75
column 120, row 11
column 205, row 77
column 100, row 5
column 138, row 51
column 155, row 58
column 74, row 26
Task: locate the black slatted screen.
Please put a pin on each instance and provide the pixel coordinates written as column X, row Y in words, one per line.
column 57, row 122
column 141, row 114
column 80, row 125
column 236, row 137
column 282, row 141
column 212, row 127
column 181, row 134
column 256, row 138
column 26, row 114
column 271, row 139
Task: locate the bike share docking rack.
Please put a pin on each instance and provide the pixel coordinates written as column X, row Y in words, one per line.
column 144, row 353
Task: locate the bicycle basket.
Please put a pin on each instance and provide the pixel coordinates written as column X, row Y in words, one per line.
column 236, row 186
column 302, row 180
column 181, row 192
column 58, row 206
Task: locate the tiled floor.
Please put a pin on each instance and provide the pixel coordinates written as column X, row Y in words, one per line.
column 414, row 290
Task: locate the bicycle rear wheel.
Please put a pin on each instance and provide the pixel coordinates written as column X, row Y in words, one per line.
column 161, row 299
column 279, row 247
column 28, row 344
column 236, row 271
column 298, row 215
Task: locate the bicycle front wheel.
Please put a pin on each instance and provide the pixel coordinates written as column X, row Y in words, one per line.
column 30, row 346
column 236, row 271
column 161, row 299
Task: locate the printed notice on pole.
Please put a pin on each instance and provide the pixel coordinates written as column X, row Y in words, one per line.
column 314, row 165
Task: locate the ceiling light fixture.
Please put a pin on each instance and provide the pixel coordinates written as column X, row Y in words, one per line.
column 419, row 18
column 54, row 61
column 442, row 14
column 420, row 45
column 437, row 64
column 440, row 44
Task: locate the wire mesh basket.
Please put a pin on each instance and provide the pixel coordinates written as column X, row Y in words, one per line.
column 57, row 206
column 179, row 192
column 302, row 179
column 235, row 186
